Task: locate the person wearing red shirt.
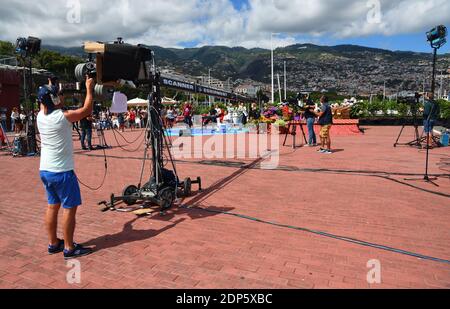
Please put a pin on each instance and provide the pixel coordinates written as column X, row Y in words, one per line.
column 132, row 119
column 187, row 113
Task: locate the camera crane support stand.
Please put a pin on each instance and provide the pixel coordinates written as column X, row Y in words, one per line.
column 164, row 186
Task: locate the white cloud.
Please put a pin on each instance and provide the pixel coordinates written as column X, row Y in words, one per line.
column 171, row 22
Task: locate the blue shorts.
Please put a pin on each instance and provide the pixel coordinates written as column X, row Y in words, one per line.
column 428, row 126
column 62, row 188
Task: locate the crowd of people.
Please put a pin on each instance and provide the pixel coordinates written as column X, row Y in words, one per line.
column 103, row 119
column 238, row 114
column 17, row 120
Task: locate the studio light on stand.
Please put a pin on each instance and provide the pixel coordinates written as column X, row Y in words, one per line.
column 27, row 48
column 437, row 37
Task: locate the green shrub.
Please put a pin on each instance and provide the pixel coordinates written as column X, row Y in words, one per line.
column 280, row 123
column 445, row 109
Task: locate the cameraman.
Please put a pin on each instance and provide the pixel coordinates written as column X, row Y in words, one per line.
column 57, row 166
column 431, row 113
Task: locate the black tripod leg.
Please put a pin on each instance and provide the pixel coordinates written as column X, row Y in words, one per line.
column 418, row 137
column 294, row 135
column 304, row 135
column 286, row 135
column 399, row 136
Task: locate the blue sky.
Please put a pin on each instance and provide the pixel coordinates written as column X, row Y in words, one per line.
column 238, row 4
column 415, row 41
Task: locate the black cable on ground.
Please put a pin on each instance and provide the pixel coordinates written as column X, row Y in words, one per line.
column 104, row 176
column 126, row 141
column 127, row 150
column 325, row 234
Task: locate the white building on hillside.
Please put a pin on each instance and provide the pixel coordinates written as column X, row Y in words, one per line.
column 247, row 90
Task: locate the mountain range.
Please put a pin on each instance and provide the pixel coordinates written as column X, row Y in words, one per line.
column 340, row 68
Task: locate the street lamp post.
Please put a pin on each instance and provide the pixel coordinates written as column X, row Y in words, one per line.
column 209, row 82
column 273, row 83
column 285, row 82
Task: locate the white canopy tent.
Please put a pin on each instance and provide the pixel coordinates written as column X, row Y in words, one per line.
column 169, row 101
column 137, row 103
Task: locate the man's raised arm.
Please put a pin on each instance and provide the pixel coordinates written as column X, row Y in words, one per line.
column 88, row 107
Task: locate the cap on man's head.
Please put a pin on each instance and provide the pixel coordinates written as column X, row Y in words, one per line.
column 45, row 94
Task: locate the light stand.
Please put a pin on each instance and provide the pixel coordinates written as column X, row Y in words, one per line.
column 31, row 130
column 27, row 48
column 437, row 39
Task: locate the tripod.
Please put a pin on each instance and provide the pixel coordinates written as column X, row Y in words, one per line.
column 293, row 125
column 417, row 141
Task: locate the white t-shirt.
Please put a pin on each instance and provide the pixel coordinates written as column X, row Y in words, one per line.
column 56, row 142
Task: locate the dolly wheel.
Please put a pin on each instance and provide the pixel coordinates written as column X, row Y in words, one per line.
column 166, row 198
column 130, row 190
column 187, row 187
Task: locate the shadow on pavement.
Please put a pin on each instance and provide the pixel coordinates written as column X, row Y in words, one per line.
column 190, row 208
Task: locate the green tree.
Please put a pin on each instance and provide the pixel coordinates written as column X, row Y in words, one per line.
column 6, row 49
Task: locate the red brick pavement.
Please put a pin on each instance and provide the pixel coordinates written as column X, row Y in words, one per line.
column 195, row 249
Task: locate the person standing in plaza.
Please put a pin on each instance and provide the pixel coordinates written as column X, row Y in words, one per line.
column 121, row 120
column 171, row 116
column 22, row 124
column 326, row 121
column 255, row 112
column 144, row 116
column 310, row 117
column 243, row 114
column 187, row 113
column 132, row 119
column 431, row 113
column 57, row 167
column 86, row 132
column 15, row 118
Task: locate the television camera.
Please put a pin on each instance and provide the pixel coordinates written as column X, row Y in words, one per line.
column 412, row 101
